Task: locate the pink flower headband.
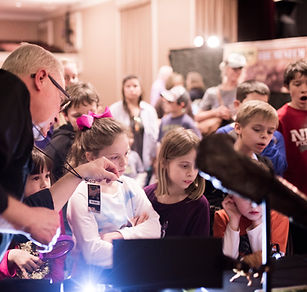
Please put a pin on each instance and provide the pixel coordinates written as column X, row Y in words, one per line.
column 86, row 121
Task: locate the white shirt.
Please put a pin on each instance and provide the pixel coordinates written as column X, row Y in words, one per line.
column 231, row 240
column 116, row 210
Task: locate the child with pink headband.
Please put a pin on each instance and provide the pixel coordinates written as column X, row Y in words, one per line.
column 99, row 212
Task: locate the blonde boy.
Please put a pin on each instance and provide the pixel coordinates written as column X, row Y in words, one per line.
column 255, row 124
column 240, row 222
column 275, row 151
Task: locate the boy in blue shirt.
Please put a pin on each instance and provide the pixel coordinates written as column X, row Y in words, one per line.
column 275, row 150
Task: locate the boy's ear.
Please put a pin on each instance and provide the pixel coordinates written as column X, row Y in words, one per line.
column 237, row 128
column 236, row 103
column 65, row 116
column 89, row 156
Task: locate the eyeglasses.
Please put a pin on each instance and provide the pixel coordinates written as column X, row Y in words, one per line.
column 58, row 86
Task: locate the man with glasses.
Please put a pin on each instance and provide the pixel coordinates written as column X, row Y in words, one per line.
column 31, row 90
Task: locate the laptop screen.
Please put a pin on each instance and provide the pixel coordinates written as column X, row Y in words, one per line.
column 168, row 263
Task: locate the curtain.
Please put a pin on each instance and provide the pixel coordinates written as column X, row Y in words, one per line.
column 217, row 17
column 136, row 45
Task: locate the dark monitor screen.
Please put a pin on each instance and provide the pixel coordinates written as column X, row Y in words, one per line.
column 168, row 263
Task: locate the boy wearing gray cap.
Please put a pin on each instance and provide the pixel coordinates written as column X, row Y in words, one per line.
column 175, row 101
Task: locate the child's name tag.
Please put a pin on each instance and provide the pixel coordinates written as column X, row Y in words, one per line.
column 94, row 201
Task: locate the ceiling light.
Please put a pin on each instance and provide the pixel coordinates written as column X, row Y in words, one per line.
column 198, row 41
column 213, row 41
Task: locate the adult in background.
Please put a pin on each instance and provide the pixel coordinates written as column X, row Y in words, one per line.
column 159, row 84
column 196, row 88
column 217, row 102
column 31, row 81
column 195, row 85
column 71, row 74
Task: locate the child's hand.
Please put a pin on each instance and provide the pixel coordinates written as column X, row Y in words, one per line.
column 110, row 236
column 139, row 219
column 232, row 212
column 24, row 261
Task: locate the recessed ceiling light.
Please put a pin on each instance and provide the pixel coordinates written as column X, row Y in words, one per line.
column 213, row 41
column 198, row 41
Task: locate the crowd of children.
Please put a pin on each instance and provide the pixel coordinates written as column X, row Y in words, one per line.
column 159, row 156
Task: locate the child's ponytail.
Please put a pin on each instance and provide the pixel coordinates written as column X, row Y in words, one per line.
column 76, row 155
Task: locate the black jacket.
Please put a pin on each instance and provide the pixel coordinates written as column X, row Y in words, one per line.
column 16, row 137
column 59, row 147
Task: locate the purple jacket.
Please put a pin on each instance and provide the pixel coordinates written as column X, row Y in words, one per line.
column 185, row 218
